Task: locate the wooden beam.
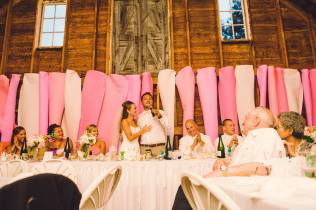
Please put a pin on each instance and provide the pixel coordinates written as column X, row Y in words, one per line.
column 188, row 32
column 170, row 24
column 95, row 36
column 253, row 50
column 37, row 31
column 64, row 58
column 281, row 32
column 219, row 36
column 108, row 47
column 7, row 33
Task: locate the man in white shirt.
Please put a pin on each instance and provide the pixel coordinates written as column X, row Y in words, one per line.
column 261, row 143
column 194, row 141
column 229, row 138
column 155, row 139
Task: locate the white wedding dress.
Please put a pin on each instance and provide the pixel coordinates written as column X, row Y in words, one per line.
column 131, row 148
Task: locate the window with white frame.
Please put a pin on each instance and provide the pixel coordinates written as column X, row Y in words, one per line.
column 233, row 19
column 53, row 25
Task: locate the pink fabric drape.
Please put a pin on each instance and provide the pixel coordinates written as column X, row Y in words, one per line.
column 227, row 95
column 262, row 74
column 43, row 102
column 134, row 88
column 282, row 96
column 245, row 88
column 28, row 111
column 312, row 81
column 272, row 91
column 307, row 96
column 147, row 86
column 56, row 101
column 185, row 82
column 4, row 89
column 109, row 121
column 91, row 99
column 294, row 89
column 8, row 122
column 72, row 111
column 207, row 86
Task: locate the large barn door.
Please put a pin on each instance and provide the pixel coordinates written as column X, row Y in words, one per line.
column 140, row 36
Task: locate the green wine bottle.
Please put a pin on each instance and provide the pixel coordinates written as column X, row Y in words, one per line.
column 220, row 148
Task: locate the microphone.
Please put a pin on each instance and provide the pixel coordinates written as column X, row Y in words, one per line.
column 152, row 112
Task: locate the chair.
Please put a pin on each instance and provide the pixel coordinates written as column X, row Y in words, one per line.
column 12, row 168
column 100, row 190
column 56, row 166
column 203, row 195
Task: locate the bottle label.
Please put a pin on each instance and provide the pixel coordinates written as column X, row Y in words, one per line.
column 219, row 153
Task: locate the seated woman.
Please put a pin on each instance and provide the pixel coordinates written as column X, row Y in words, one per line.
column 17, row 138
column 57, row 142
column 99, row 145
column 290, row 127
column 130, row 131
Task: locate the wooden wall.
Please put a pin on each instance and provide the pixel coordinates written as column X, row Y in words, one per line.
column 281, row 35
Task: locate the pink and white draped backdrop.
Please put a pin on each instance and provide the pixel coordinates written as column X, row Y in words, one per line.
column 4, row 89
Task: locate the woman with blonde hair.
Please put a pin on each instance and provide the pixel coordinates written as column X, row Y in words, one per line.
column 96, row 146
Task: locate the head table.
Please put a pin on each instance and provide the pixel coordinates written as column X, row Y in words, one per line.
column 144, row 185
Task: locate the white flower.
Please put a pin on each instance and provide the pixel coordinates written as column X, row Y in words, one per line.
column 87, row 139
column 36, row 141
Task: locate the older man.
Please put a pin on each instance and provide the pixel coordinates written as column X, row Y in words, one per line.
column 261, row 141
column 194, row 141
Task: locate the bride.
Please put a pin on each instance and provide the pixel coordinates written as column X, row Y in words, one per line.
column 130, row 131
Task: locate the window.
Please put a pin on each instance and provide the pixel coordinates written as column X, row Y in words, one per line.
column 233, row 20
column 53, row 25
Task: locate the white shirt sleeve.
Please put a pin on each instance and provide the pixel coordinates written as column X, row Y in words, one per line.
column 184, row 145
column 164, row 120
column 208, row 146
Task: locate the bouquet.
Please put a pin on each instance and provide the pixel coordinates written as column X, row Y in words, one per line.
column 35, row 142
column 310, row 134
column 87, row 140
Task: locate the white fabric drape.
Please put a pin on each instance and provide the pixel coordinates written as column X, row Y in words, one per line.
column 245, row 98
column 28, row 111
column 167, row 88
column 72, row 113
column 294, row 89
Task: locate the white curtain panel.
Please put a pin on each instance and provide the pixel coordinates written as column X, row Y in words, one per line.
column 294, row 89
column 28, row 110
column 167, row 88
column 72, row 113
column 245, row 97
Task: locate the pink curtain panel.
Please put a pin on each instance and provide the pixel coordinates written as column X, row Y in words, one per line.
column 43, row 102
column 147, row 86
column 227, row 95
column 4, row 90
column 56, row 90
column 282, row 96
column 71, row 118
column 8, row 122
column 307, row 96
column 312, row 81
column 91, row 99
column 207, row 86
column 245, row 88
column 28, row 111
column 294, row 89
column 272, row 91
column 185, row 82
column 134, row 88
column 262, row 74
column 167, row 90
column 110, row 117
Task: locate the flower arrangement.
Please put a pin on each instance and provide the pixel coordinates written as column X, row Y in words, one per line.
column 310, row 134
column 87, row 140
column 36, row 142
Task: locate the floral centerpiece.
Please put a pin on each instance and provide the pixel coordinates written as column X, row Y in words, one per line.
column 310, row 134
column 86, row 141
column 33, row 144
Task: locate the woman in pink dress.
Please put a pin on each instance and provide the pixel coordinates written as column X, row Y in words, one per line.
column 99, row 146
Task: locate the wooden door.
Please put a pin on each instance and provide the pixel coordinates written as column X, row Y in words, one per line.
column 139, row 36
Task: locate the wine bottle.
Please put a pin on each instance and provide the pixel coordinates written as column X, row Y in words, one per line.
column 23, row 152
column 167, row 148
column 220, row 148
column 67, row 149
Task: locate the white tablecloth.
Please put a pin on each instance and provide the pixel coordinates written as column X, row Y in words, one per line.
column 144, row 185
column 273, row 193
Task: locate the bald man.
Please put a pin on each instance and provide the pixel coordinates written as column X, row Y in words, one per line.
column 194, row 142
